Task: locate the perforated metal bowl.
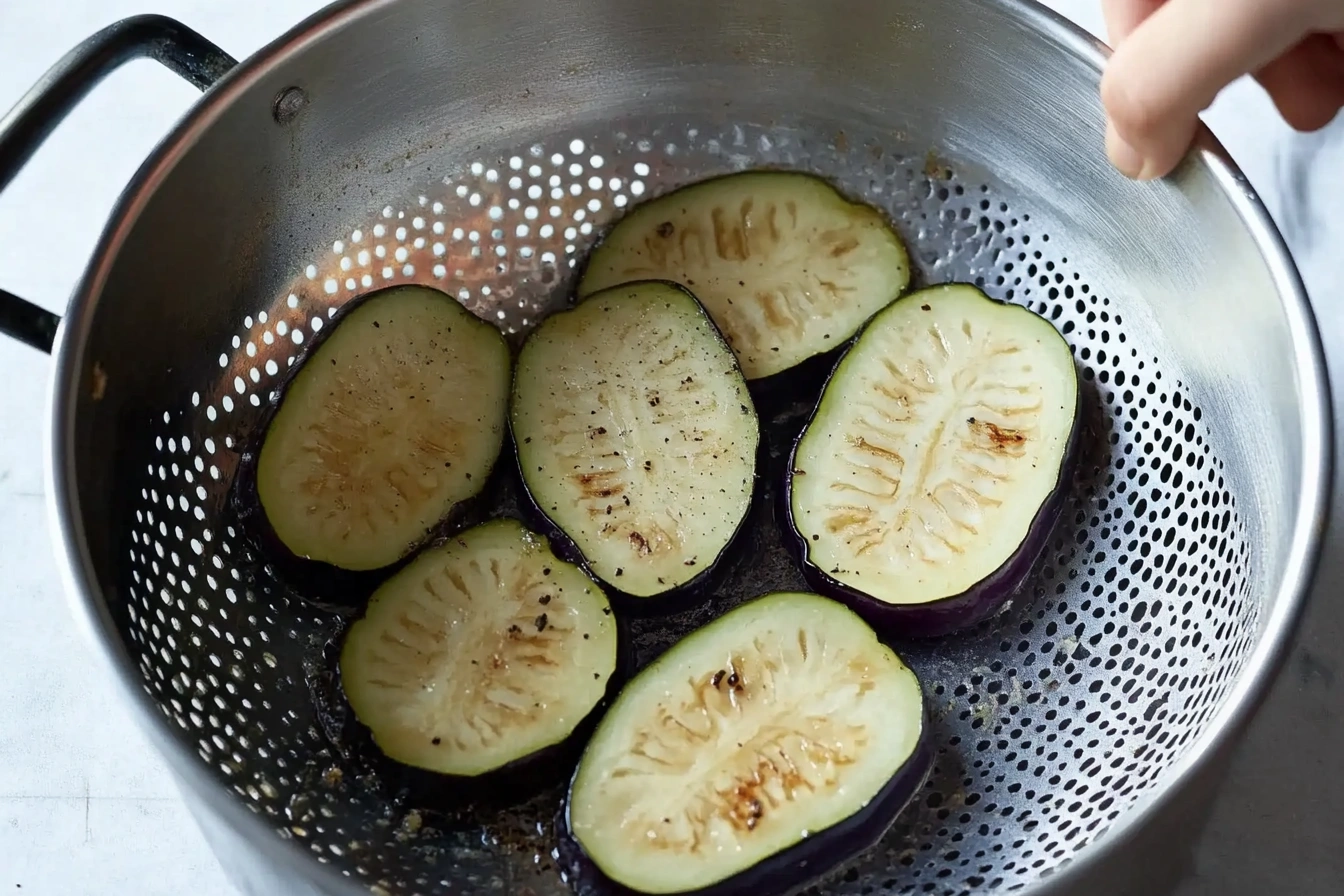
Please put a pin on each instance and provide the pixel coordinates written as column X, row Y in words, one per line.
column 482, row 146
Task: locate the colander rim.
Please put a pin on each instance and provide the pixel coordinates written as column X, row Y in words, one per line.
column 92, row 614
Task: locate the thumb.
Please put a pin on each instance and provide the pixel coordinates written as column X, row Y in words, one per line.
column 1174, row 64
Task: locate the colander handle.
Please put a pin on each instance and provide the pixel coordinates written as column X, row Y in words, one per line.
column 67, row 82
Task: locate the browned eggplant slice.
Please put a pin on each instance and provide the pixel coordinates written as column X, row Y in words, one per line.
column 483, row 655
column 757, row 753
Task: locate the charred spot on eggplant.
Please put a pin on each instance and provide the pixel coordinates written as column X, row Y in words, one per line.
column 935, row 465
column 636, row 437
column 761, row 751
column 483, row 656
column 391, row 424
column 787, row 266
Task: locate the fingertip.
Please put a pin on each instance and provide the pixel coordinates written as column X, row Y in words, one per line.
column 1144, row 118
column 1159, row 161
column 1127, row 110
column 1126, row 159
column 1173, row 65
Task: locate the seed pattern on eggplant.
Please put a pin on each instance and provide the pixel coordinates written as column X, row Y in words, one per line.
column 939, row 438
column 636, row 435
column 771, row 726
column 480, row 653
column 787, row 266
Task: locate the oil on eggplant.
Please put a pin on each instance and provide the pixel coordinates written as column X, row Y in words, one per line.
column 318, row 442
column 600, row 393
column 371, row 717
column 892, row 372
column 759, row 753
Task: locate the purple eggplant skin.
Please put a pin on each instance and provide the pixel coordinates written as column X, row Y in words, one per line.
column 784, row 388
column 321, row 584
column 949, row 615
column 690, row 594
column 793, row 868
column 408, row 787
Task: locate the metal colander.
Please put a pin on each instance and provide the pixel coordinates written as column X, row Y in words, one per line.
column 483, row 148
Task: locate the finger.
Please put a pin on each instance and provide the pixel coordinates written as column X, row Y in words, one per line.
column 1123, row 16
column 1173, row 65
column 1307, row 83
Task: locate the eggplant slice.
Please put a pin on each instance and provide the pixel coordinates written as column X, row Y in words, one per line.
column 762, row 750
column 392, row 422
column 484, row 654
column 636, row 436
column 787, row 267
column 927, row 482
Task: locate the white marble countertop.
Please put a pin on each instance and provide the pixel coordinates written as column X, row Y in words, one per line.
column 86, row 807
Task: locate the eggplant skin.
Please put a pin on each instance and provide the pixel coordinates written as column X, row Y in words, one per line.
column 788, row 386
column 793, row 868
column 321, row 584
column 984, row 600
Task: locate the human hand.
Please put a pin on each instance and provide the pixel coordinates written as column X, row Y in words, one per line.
column 1172, row 57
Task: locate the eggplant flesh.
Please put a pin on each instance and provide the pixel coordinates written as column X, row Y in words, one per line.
column 636, row 436
column 482, row 654
column 390, row 425
column 925, row 485
column 786, row 265
column 763, row 749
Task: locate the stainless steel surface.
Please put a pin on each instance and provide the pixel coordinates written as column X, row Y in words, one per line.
column 431, row 150
column 1276, row 825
